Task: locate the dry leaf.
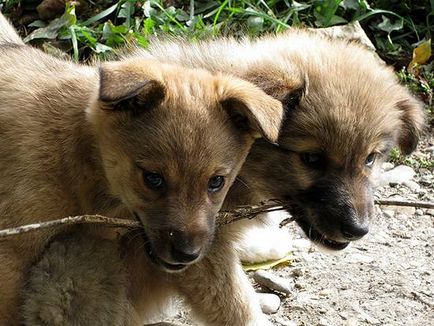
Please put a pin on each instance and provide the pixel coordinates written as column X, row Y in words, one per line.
column 285, row 261
column 421, row 55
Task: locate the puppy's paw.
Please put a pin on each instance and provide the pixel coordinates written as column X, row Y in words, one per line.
column 262, row 243
column 77, row 281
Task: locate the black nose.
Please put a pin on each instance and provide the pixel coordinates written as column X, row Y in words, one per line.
column 354, row 231
column 184, row 255
column 184, row 248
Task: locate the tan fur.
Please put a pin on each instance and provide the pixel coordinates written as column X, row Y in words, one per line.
column 79, row 139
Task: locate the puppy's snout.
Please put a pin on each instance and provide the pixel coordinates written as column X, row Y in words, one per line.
column 186, row 247
column 353, row 230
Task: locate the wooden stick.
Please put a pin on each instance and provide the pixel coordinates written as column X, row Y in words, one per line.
column 408, row 203
column 224, row 217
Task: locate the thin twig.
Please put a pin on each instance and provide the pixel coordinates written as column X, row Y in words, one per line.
column 409, row 203
column 224, row 217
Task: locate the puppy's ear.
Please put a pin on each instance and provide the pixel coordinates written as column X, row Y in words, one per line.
column 287, row 84
column 125, row 86
column 413, row 123
column 252, row 110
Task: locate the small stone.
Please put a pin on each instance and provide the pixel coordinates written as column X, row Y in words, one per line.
column 426, row 180
column 430, row 149
column 389, row 213
column 387, row 166
column 419, row 212
column 412, row 185
column 324, row 322
column 325, row 293
column 285, row 322
column 270, row 303
column 297, row 272
column 359, row 258
column 398, row 175
column 273, row 282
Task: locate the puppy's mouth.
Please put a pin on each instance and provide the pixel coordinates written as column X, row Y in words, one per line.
column 313, row 233
column 158, row 261
column 150, row 252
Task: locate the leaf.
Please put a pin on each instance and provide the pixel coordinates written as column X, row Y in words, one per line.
column 421, row 54
column 387, row 26
column 285, row 261
column 51, row 31
column 101, row 15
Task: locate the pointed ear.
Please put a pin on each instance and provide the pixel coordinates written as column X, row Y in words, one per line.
column 413, row 123
column 287, row 84
column 251, row 110
column 125, row 86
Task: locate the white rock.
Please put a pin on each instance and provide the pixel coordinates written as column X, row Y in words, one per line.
column 389, row 213
column 414, row 186
column 386, row 166
column 270, row 303
column 359, row 258
column 273, row 282
column 325, row 293
column 398, row 175
column 285, row 322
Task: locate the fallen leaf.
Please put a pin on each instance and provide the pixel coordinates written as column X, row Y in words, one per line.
column 285, row 261
column 421, row 55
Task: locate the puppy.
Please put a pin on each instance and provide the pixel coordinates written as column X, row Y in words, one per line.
column 129, row 139
column 346, row 110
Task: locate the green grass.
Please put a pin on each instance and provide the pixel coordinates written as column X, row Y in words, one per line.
column 395, row 26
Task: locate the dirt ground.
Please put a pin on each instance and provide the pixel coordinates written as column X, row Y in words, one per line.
column 387, row 278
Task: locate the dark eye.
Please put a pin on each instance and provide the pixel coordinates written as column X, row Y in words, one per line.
column 216, row 183
column 153, row 180
column 313, row 160
column 370, row 160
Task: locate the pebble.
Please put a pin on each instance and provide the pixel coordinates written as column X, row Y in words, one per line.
column 398, row 175
column 285, row 322
column 387, row 166
column 270, row 303
column 426, row 180
column 325, row 292
column 273, row 282
column 414, row 186
column 389, row 213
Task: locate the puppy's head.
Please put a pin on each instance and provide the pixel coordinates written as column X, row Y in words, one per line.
column 345, row 114
column 171, row 142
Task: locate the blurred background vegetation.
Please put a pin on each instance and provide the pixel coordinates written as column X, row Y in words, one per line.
column 400, row 30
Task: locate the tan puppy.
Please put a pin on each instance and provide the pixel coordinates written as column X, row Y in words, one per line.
column 130, row 138
column 346, row 110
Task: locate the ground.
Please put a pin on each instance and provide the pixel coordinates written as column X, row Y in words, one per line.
column 387, row 278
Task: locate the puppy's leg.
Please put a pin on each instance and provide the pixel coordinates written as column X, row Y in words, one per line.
column 11, row 278
column 218, row 290
column 78, row 281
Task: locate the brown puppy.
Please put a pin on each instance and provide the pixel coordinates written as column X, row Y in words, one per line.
column 131, row 138
column 346, row 111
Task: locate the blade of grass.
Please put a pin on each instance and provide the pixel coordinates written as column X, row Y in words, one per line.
column 74, row 42
column 101, row 15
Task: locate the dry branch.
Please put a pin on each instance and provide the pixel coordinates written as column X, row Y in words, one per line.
column 224, row 217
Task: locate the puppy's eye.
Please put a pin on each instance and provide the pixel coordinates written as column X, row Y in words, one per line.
column 370, row 160
column 216, row 183
column 153, row 180
column 313, row 160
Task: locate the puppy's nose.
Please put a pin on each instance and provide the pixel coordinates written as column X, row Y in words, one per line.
column 354, row 231
column 184, row 248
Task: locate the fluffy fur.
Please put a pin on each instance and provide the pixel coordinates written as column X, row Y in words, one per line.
column 98, row 140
